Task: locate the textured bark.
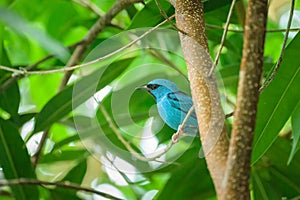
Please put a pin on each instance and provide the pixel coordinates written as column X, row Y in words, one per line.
column 213, row 134
column 236, row 180
column 229, row 166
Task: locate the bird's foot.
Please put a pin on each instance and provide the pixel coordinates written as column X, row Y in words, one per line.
column 175, row 136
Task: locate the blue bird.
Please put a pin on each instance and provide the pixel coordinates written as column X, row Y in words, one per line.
column 172, row 104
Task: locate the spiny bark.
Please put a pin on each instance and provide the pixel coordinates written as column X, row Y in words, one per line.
column 213, row 133
column 236, row 181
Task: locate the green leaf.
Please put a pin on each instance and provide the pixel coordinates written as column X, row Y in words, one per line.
column 230, row 77
column 4, row 60
column 22, row 119
column 6, row 2
column 216, row 13
column 15, row 160
column 262, row 186
column 295, row 132
column 63, row 156
column 23, row 27
column 278, row 101
column 42, row 93
column 10, row 100
column 272, row 178
column 66, row 141
column 215, row 4
column 65, row 101
column 75, row 175
column 63, row 194
column 187, row 174
column 71, row 123
column 57, row 24
column 131, row 10
column 150, row 14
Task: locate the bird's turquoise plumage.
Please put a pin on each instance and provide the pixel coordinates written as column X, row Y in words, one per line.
column 172, row 104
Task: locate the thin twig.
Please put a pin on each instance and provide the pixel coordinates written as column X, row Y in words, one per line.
column 111, row 161
column 229, row 115
column 212, row 26
column 92, row 34
column 77, row 55
column 90, row 6
column 164, row 14
column 216, row 61
column 179, row 133
column 27, row 72
column 119, row 135
column 74, row 59
column 162, row 58
column 270, row 79
column 181, row 127
column 127, row 144
column 16, row 71
column 18, row 76
column 282, row 30
column 36, row 157
column 69, row 185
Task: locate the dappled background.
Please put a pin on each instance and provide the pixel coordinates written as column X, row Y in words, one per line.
column 99, row 132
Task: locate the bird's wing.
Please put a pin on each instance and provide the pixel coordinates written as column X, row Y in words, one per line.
column 181, row 101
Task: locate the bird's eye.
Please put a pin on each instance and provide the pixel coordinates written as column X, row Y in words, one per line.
column 152, row 86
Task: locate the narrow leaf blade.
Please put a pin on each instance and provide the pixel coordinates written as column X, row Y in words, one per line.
column 22, row 27
column 278, row 101
column 10, row 100
column 295, row 132
column 63, row 103
column 15, row 160
column 75, row 175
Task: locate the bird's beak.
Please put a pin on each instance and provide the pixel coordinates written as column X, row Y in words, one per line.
column 144, row 87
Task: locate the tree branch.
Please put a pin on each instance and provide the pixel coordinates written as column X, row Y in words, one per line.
column 80, row 50
column 89, row 5
column 101, row 23
column 71, row 68
column 236, row 179
column 270, row 79
column 23, row 181
column 36, row 156
column 18, row 76
column 211, row 26
column 158, row 154
column 213, row 132
column 223, row 37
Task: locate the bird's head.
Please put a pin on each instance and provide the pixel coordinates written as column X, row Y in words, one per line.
column 158, row 88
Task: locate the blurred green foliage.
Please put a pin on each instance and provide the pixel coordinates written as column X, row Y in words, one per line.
column 82, row 146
